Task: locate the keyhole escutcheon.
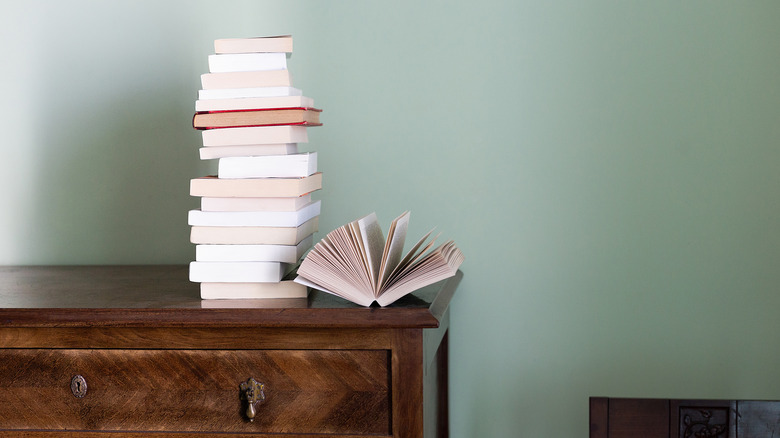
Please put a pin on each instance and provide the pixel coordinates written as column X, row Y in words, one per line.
column 78, row 386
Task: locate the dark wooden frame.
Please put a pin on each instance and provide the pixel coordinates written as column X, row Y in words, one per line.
column 683, row 418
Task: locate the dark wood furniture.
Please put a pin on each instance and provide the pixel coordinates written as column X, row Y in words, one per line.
column 99, row 351
column 674, row 418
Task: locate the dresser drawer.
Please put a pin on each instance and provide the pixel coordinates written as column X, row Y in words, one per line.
column 306, row 391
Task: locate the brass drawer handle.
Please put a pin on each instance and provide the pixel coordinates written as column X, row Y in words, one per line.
column 252, row 392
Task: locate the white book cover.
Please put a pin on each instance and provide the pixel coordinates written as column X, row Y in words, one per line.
column 254, row 218
column 210, row 153
column 220, row 63
column 254, row 204
column 237, row 272
column 253, row 253
column 269, row 166
column 236, row 93
column 255, row 135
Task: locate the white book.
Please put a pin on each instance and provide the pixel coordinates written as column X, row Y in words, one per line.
column 254, row 204
column 220, row 63
column 211, row 153
column 236, row 93
column 212, row 186
column 281, row 43
column 246, row 79
column 296, row 218
column 255, row 135
column 253, row 291
column 237, row 272
column 253, row 235
column 268, row 166
column 250, row 103
column 253, row 253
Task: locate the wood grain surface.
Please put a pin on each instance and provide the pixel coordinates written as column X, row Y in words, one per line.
column 161, row 295
column 307, row 391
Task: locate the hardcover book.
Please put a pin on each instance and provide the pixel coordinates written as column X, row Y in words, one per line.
column 256, row 117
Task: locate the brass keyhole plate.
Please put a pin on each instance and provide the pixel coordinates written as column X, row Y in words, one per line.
column 78, row 386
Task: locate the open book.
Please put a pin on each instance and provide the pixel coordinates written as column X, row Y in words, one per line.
column 355, row 262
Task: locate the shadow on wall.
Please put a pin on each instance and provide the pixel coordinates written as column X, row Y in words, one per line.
column 117, row 153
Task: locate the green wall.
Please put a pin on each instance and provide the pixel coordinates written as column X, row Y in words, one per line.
column 611, row 170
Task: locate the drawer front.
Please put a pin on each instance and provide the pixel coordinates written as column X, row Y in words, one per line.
column 306, row 391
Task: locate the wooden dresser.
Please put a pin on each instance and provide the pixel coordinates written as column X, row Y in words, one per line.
column 99, row 351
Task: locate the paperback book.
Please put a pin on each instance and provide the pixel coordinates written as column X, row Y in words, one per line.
column 357, row 263
column 212, row 186
column 246, row 79
column 268, row 166
column 255, row 135
column 230, row 235
column 278, row 43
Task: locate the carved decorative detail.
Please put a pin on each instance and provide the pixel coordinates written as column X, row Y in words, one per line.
column 704, row 423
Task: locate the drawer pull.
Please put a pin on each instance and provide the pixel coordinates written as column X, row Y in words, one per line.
column 78, row 386
column 252, row 392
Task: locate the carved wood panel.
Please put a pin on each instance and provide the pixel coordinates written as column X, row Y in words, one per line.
column 703, row 422
column 673, row 418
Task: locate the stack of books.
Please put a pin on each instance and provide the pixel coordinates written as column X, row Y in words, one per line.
column 257, row 216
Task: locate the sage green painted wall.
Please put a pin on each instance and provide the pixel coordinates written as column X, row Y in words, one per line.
column 611, row 169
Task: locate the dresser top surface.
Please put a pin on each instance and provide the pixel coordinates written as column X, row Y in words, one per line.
column 141, row 295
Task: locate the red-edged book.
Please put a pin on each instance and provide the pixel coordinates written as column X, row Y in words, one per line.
column 256, row 117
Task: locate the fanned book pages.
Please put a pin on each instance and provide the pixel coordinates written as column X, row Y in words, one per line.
column 357, row 263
